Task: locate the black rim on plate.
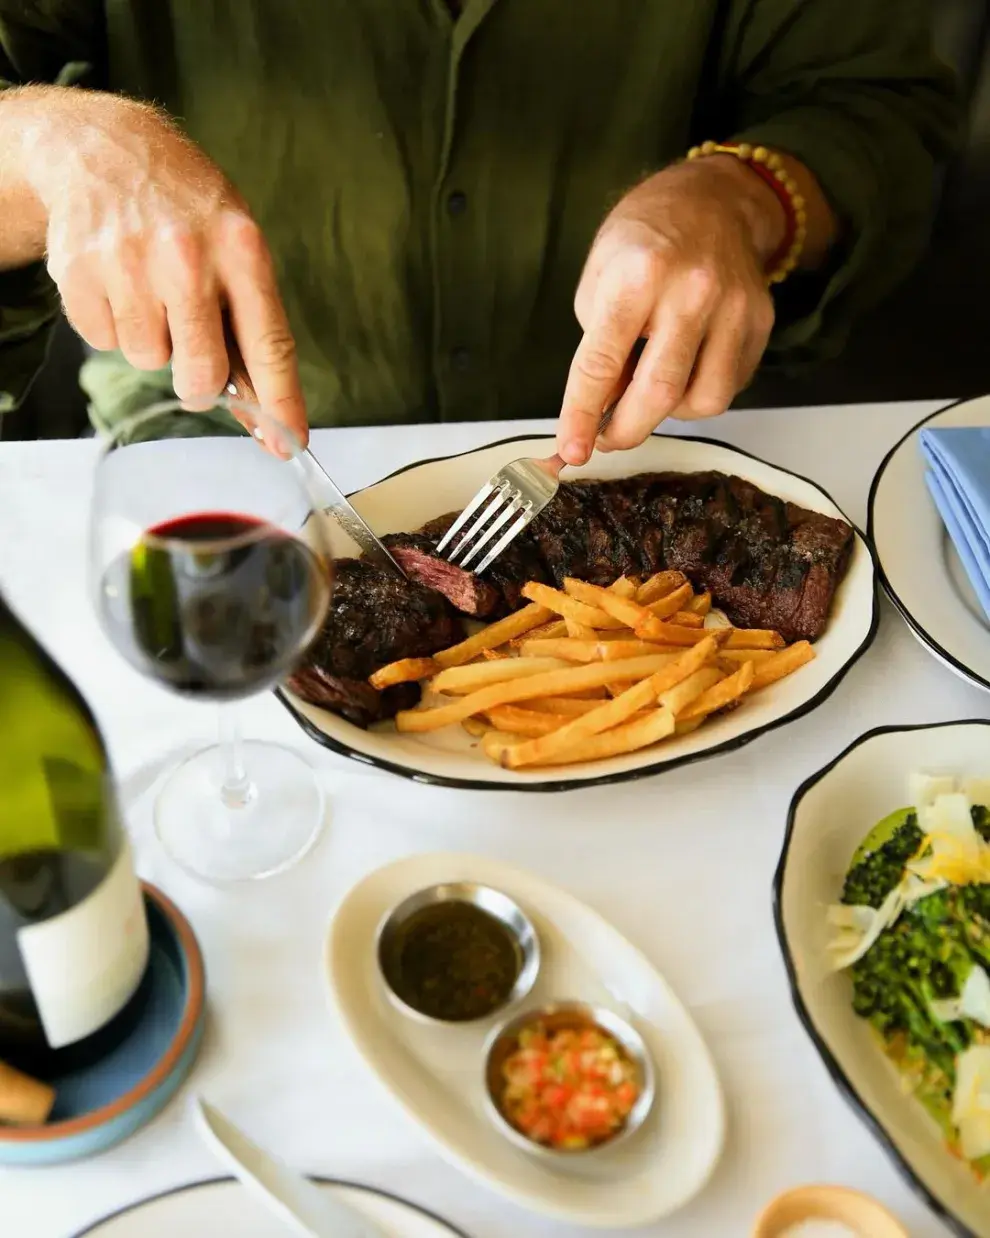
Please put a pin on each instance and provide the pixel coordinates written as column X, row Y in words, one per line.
column 923, row 634
column 207, row 1182
column 830, row 1062
column 642, row 771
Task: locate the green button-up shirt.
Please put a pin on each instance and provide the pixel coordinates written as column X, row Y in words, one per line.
column 430, row 183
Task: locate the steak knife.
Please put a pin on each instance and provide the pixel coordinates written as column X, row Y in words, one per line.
column 239, row 386
column 305, row 1208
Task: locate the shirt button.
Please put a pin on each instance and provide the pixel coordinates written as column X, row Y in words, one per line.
column 460, row 359
column 457, row 202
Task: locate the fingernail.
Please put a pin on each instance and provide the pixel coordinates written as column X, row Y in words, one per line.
column 575, row 452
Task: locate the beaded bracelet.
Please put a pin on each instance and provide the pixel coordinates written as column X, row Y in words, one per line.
column 770, row 168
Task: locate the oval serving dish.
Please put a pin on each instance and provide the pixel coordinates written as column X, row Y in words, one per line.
column 99, row 1107
column 830, row 815
column 449, row 757
column 436, row 1072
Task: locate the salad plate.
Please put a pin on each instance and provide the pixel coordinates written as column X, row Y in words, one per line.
column 437, row 1074
column 919, row 567
column 450, row 757
column 830, row 816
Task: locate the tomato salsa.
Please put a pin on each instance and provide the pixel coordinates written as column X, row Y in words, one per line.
column 568, row 1088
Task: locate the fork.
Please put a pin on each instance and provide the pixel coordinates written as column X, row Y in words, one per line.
column 521, row 489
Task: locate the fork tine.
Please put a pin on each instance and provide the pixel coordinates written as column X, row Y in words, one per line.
column 466, row 514
column 524, row 518
column 501, row 496
column 508, row 511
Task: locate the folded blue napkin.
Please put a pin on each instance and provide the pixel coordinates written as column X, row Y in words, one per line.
column 958, row 477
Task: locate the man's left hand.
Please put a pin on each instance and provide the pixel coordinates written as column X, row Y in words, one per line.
column 682, row 262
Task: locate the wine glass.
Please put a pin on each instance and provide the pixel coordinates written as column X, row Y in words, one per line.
column 212, row 577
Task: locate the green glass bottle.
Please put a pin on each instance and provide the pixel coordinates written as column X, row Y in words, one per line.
column 73, row 929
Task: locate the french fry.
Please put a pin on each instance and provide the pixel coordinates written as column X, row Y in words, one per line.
column 550, row 631
column 661, row 634
column 548, row 683
column 671, row 602
column 735, row 657
column 687, row 619
column 492, row 636
column 754, row 638
column 640, row 696
column 629, row 613
column 521, row 721
column 589, row 650
column 781, row 664
column 700, row 604
column 719, row 695
column 641, row 731
column 406, row 670
column 460, row 680
column 476, row 727
column 677, row 698
column 685, row 728
column 564, row 706
column 495, row 743
column 625, row 587
column 577, row 631
column 494, row 655
column 658, row 586
column 570, row 608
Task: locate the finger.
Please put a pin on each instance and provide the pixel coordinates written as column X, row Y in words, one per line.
column 716, row 377
column 86, row 306
column 138, row 315
column 183, row 277
column 260, row 323
column 760, row 330
column 664, row 370
column 623, row 300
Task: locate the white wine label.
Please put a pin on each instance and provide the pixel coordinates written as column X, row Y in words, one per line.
column 85, row 964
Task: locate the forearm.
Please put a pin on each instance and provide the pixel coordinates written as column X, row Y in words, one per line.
column 23, row 218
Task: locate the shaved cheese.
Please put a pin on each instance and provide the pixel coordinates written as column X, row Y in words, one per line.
column 956, row 852
column 924, row 789
column 971, row 1101
column 859, row 927
column 972, row 1003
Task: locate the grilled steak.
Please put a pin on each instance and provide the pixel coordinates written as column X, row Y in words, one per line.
column 767, row 563
column 375, row 617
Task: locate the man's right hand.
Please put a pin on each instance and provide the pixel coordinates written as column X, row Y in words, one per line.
column 148, row 242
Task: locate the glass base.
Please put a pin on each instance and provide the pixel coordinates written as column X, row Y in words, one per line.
column 279, row 820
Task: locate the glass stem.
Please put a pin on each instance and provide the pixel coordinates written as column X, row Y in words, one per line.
column 236, row 790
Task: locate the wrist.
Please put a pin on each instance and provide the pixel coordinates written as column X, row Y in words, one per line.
column 759, row 209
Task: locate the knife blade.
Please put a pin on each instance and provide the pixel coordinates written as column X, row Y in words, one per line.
column 303, row 1206
column 239, row 386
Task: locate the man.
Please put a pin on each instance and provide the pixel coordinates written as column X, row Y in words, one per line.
column 395, row 199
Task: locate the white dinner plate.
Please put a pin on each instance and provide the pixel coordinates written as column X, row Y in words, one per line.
column 224, row 1207
column 831, row 814
column 436, row 1074
column 450, row 757
column 917, row 561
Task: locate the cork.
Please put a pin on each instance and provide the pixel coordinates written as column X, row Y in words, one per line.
column 23, row 1101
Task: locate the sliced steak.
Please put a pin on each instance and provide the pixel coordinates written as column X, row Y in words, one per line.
column 416, row 555
column 354, row 699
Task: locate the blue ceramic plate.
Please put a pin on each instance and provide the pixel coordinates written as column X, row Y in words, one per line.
column 98, row 1107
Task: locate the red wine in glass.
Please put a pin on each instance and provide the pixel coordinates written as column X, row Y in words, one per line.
column 215, row 604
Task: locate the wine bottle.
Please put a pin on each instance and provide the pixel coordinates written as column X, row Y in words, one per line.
column 73, row 929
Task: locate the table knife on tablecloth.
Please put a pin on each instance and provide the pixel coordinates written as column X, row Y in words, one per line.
column 336, row 502
column 303, row 1206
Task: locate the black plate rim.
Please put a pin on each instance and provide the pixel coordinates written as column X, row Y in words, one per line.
column 922, row 634
column 341, row 748
column 194, row 1186
column 828, row 1059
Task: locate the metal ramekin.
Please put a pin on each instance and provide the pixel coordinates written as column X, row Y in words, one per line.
column 504, row 1040
column 497, row 905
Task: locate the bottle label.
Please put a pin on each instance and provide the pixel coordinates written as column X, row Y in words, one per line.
column 84, row 965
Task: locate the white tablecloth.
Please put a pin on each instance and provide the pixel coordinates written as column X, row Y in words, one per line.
column 681, row 864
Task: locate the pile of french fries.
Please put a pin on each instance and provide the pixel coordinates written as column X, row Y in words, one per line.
column 585, row 672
